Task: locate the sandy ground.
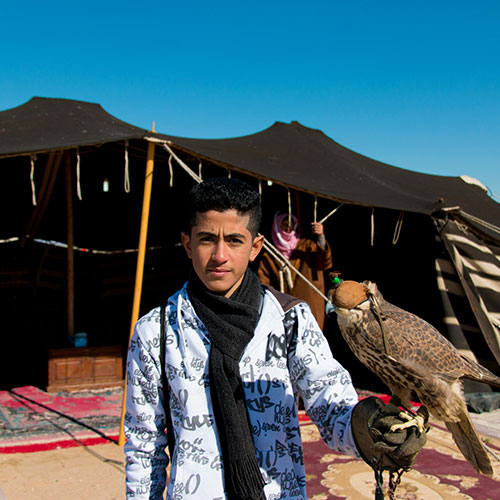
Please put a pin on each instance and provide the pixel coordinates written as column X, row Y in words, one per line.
column 90, row 473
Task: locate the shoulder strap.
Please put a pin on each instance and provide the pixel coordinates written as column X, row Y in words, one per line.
column 286, row 301
column 166, row 393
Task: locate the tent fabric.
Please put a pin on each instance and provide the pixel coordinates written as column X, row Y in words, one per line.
column 458, row 318
column 477, row 264
column 307, row 159
column 291, row 154
column 457, row 315
column 47, row 124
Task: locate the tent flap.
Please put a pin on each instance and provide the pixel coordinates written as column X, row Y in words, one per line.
column 477, row 264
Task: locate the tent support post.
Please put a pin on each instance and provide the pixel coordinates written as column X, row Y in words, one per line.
column 70, row 277
column 140, row 267
column 298, row 208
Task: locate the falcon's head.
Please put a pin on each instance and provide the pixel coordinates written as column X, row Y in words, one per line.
column 349, row 294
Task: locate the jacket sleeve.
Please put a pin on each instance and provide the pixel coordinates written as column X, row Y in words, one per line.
column 324, row 385
column 146, row 459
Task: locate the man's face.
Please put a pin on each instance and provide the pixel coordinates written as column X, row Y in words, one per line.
column 221, row 246
column 286, row 226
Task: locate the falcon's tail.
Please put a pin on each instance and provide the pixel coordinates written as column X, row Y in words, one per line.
column 470, row 444
column 490, row 378
column 480, row 373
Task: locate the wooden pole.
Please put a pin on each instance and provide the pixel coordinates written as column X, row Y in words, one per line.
column 70, row 276
column 298, row 212
column 148, row 182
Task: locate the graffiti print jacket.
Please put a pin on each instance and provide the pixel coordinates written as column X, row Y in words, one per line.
column 287, row 356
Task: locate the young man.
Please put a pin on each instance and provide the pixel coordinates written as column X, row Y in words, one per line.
column 235, row 360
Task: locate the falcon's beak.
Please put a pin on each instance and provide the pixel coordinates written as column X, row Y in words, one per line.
column 330, row 308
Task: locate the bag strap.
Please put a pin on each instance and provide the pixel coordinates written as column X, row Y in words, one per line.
column 164, row 381
column 286, row 301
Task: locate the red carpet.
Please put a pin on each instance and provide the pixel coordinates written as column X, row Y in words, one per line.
column 33, row 420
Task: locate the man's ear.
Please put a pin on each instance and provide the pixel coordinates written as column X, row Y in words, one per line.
column 186, row 243
column 258, row 241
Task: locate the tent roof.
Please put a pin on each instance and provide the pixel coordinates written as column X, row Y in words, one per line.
column 291, row 154
column 44, row 124
column 306, row 158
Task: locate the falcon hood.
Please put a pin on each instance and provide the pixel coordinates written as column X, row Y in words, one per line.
column 346, row 294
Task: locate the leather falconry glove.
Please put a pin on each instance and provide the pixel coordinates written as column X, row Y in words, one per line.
column 382, row 448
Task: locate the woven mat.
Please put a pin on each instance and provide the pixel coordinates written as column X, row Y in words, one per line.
column 34, row 420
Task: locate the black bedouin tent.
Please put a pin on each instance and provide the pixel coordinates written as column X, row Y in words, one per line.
column 430, row 242
column 292, row 154
column 307, row 159
column 44, row 124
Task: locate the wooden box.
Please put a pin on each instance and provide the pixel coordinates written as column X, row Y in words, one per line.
column 79, row 368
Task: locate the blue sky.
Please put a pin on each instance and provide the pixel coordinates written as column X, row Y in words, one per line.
column 416, row 85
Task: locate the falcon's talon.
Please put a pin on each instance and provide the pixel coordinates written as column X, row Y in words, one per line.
column 417, row 421
column 406, row 416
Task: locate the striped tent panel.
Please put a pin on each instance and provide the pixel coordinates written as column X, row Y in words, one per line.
column 462, row 329
column 477, row 267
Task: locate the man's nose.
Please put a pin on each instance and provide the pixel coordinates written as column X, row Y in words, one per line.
column 220, row 252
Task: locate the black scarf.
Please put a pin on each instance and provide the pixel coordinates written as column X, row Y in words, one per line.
column 231, row 323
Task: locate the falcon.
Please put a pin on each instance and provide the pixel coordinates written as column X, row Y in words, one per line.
column 413, row 359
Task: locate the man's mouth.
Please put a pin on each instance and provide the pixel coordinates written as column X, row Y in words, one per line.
column 218, row 271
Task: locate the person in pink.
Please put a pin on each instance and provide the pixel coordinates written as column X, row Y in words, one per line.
column 310, row 256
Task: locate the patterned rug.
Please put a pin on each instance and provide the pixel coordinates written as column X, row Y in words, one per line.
column 440, row 472
column 34, row 420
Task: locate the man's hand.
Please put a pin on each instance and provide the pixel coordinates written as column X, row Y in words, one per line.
column 318, row 232
column 380, row 447
column 317, row 229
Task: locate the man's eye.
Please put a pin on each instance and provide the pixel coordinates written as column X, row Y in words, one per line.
column 235, row 241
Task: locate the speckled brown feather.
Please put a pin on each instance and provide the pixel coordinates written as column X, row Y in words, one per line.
column 416, row 341
column 418, row 360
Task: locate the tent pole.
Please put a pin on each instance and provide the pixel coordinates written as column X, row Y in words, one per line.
column 298, row 211
column 140, row 267
column 70, row 278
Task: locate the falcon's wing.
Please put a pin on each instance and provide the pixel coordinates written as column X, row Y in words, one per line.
column 414, row 341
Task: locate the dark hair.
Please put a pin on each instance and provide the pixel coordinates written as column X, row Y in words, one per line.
column 221, row 194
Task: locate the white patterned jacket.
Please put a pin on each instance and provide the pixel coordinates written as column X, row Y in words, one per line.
column 287, row 355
